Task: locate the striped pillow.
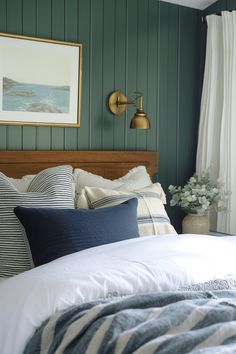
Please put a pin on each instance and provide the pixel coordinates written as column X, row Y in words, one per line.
column 151, row 214
column 50, row 188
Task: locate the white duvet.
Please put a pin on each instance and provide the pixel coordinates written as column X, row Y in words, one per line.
column 139, row 265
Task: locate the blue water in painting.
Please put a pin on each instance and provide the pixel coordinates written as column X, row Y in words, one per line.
column 36, row 98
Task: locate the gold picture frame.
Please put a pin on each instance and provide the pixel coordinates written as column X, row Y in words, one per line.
column 41, row 81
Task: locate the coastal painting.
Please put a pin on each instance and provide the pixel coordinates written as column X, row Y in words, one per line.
column 26, row 97
column 43, row 85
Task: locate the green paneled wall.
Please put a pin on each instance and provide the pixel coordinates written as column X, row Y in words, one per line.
column 130, row 45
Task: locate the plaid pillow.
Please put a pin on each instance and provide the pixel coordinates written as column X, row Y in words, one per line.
column 151, row 214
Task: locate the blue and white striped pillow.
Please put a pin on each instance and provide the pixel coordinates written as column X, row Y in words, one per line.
column 151, row 214
column 50, row 188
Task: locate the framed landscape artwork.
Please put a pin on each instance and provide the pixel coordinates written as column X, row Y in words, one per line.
column 40, row 81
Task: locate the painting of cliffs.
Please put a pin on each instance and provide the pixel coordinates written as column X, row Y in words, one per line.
column 32, row 97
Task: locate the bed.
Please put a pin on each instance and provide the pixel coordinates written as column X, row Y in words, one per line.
column 155, row 294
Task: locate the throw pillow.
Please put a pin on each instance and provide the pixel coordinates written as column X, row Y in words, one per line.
column 49, row 188
column 152, row 217
column 53, row 233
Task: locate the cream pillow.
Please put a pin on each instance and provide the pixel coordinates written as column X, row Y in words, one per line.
column 151, row 214
column 23, row 183
column 136, row 178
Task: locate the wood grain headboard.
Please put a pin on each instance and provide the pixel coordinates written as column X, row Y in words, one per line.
column 109, row 164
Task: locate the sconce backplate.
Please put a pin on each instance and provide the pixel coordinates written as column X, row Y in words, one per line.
column 117, row 102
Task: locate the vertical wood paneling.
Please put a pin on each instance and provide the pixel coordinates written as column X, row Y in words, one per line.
column 29, row 9
column 71, row 33
column 163, row 91
column 44, row 29
column 152, row 74
column 120, row 72
column 3, row 15
column 108, row 69
column 142, row 47
column 169, row 96
column 96, row 73
column 173, row 103
column 58, row 33
column 231, row 5
column 132, row 14
column 84, row 132
column 3, row 28
column 14, row 25
column 173, row 94
column 129, row 45
column 189, row 100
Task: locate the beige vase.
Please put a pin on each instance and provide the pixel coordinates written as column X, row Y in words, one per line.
column 195, row 224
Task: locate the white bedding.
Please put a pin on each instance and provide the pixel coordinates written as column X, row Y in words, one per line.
column 139, row 265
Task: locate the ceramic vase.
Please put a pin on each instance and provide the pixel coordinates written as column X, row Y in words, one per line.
column 196, row 224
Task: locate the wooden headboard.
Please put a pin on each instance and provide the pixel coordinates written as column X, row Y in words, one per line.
column 109, row 164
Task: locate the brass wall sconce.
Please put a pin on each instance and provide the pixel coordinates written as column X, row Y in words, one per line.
column 118, row 103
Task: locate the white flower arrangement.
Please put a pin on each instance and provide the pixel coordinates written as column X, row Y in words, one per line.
column 199, row 195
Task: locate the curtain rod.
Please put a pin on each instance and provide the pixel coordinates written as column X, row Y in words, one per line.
column 218, row 14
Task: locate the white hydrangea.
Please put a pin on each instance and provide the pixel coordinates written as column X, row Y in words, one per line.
column 199, row 194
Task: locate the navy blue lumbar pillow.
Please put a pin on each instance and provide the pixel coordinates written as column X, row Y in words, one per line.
column 53, row 233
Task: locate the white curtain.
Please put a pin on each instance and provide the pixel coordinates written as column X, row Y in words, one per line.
column 217, row 129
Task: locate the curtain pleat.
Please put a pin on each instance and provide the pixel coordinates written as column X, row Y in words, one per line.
column 217, row 128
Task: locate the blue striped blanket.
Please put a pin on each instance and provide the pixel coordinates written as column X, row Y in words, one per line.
column 180, row 322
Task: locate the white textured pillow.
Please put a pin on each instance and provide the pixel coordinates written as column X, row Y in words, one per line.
column 51, row 188
column 151, row 214
column 23, row 183
column 136, row 178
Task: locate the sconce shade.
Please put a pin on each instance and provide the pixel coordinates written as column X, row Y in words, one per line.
column 140, row 120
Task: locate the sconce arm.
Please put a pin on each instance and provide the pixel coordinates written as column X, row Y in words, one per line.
column 118, row 102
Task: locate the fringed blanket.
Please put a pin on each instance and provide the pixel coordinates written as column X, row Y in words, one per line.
column 180, row 322
column 217, row 284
